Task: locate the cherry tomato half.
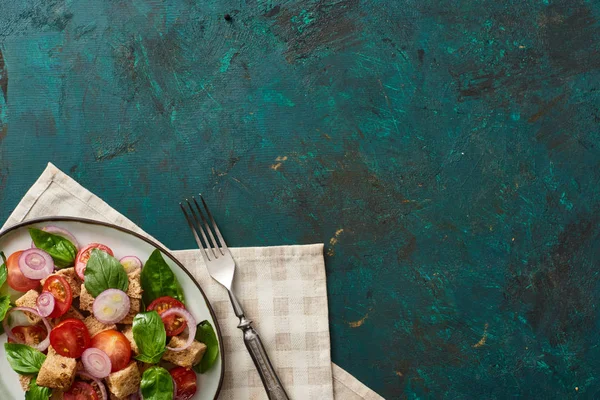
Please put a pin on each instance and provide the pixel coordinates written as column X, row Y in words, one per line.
column 70, row 338
column 174, row 325
column 84, row 255
column 61, row 291
column 116, row 346
column 81, row 391
column 15, row 278
column 185, row 379
column 31, row 335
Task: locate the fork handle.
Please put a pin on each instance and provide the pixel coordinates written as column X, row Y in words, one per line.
column 270, row 380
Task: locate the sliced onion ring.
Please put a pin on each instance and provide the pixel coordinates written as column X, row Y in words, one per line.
column 36, row 264
column 111, row 306
column 191, row 325
column 97, row 381
column 131, row 263
column 45, row 304
column 59, row 232
column 96, row 362
column 43, row 345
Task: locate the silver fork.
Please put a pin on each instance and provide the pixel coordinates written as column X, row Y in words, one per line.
column 221, row 267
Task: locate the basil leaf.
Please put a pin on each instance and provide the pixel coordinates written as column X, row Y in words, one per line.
column 4, row 300
column 63, row 252
column 36, row 392
column 3, row 269
column 156, row 384
column 24, row 359
column 102, row 272
column 206, row 334
column 4, row 306
column 158, row 280
column 150, row 336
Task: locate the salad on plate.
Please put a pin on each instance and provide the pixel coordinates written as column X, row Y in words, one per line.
column 86, row 325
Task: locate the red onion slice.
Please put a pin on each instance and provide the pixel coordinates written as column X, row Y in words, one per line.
column 36, row 264
column 191, row 324
column 59, row 232
column 96, row 362
column 111, row 306
column 43, row 345
column 97, row 382
column 45, row 304
column 131, row 263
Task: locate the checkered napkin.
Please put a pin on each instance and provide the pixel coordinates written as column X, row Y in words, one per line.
column 282, row 289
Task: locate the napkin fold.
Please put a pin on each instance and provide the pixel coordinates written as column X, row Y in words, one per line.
column 282, row 288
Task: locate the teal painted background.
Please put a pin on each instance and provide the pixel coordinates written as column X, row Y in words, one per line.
column 445, row 151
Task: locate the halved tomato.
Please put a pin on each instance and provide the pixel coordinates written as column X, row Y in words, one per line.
column 84, row 255
column 61, row 291
column 70, row 338
column 81, row 391
column 116, row 346
column 174, row 325
column 185, row 380
column 15, row 278
column 31, row 335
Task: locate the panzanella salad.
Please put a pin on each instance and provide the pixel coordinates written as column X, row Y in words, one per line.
column 89, row 326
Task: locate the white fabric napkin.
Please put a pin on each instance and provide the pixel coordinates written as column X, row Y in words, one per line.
column 282, row 288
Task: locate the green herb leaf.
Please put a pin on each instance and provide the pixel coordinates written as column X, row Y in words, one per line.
column 205, row 333
column 3, row 269
column 157, row 384
column 24, row 359
column 102, row 272
column 150, row 336
column 158, row 280
column 63, row 252
column 4, row 306
column 36, row 392
column 5, row 299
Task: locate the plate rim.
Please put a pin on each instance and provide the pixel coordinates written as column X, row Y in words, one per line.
column 16, row 226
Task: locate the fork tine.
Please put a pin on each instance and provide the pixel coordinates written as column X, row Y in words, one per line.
column 213, row 223
column 208, row 244
column 217, row 245
column 198, row 241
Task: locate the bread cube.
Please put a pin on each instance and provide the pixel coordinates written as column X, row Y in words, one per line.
column 134, row 308
column 86, row 300
column 57, row 372
column 185, row 358
column 124, row 382
column 134, row 290
column 25, row 380
column 71, row 313
column 94, row 326
column 29, row 299
column 128, row 333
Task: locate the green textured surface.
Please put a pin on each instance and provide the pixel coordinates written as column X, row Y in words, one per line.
column 446, row 152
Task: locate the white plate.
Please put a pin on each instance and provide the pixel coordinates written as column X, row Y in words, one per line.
column 123, row 242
